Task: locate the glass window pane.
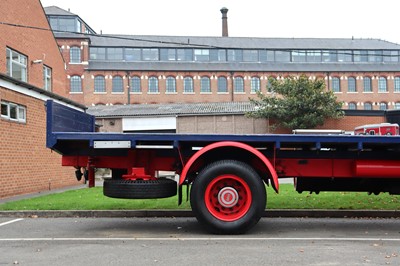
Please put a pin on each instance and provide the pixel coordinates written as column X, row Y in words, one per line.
column 75, row 55
column 150, row 54
column 205, row 85
column 135, row 85
column 117, row 84
column 250, row 55
column 238, row 84
column 132, row 54
column 255, row 84
column 201, row 55
column 188, row 85
column 171, row 85
column 115, row 54
column 282, row 56
column 222, row 84
column 351, row 84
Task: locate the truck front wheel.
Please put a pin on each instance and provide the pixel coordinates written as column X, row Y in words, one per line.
column 228, row 197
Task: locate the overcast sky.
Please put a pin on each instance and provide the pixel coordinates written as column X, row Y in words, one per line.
column 246, row 18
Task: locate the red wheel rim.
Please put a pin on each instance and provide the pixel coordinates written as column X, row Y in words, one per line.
column 228, row 198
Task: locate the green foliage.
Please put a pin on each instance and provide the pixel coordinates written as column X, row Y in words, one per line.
column 297, row 103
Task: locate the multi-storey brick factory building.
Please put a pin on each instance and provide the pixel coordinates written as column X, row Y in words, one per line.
column 108, row 71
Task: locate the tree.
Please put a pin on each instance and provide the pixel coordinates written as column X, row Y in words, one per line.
column 297, row 103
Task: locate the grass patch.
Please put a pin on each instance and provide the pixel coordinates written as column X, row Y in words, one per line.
column 93, row 199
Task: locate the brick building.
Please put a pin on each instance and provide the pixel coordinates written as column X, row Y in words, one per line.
column 131, row 69
column 168, row 72
column 32, row 70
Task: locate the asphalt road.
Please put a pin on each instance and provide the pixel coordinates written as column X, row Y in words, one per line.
column 181, row 241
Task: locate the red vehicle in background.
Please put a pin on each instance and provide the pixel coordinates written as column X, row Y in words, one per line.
column 377, row 129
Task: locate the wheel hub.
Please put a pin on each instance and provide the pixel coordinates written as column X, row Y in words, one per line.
column 228, row 197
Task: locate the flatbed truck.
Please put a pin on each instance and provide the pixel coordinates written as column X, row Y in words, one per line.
column 226, row 173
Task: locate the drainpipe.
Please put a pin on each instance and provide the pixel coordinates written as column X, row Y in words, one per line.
column 128, row 87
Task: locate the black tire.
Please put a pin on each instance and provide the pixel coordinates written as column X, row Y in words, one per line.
column 216, row 212
column 139, row 189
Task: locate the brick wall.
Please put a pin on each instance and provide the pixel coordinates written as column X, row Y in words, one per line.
column 26, row 165
column 36, row 44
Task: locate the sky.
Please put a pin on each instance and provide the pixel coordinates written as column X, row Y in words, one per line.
column 361, row 19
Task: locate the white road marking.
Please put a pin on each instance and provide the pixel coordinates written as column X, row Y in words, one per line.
column 205, row 239
column 10, row 222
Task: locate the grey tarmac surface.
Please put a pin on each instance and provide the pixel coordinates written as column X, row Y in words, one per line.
column 182, row 241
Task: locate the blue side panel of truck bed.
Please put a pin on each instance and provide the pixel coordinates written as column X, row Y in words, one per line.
column 61, row 118
column 65, row 124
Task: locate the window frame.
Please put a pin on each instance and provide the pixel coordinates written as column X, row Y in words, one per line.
column 153, row 87
column 135, row 84
column 75, row 55
column 222, row 84
column 75, row 86
column 170, row 85
column 100, row 80
column 21, row 63
column 18, row 108
column 47, row 78
column 188, row 85
column 205, row 85
column 117, row 84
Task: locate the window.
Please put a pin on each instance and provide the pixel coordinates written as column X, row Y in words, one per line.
column 329, row 56
column 397, row 84
column 383, row 106
column 97, row 53
column 188, row 85
column 382, row 84
column 397, row 105
column 298, row 56
column 153, row 85
column 201, row 55
column 351, row 84
column 171, row 85
column 205, row 86
column 16, row 65
column 135, row 85
column 352, row 106
column 238, row 85
column 222, row 85
column 367, row 84
column 117, row 84
column 282, row 56
column 345, row 56
column 47, row 80
column 255, row 84
column 75, row 54
column 218, row 55
column 99, row 84
column 184, row 54
column 132, row 54
column 115, row 54
column 75, row 84
column 250, row 55
column 390, row 56
column 167, row 54
column 361, row 56
column 235, row 55
column 13, row 112
column 367, row 106
column 335, row 84
column 150, row 54
column 313, row 56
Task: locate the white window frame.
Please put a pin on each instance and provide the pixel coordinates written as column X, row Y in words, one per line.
column 21, row 61
column 20, row 112
column 47, row 78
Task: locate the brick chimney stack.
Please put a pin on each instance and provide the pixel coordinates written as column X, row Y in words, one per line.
column 224, row 11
